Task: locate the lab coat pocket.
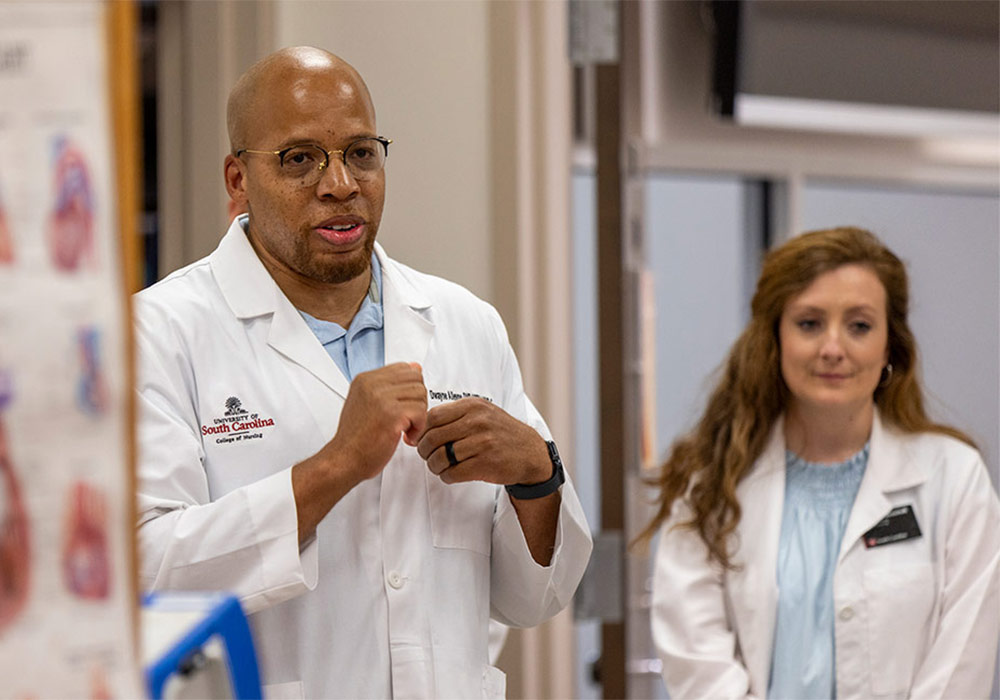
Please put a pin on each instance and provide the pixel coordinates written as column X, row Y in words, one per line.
column 899, row 601
column 284, row 691
column 494, row 683
column 461, row 514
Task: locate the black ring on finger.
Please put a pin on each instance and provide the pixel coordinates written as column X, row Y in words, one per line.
column 449, row 450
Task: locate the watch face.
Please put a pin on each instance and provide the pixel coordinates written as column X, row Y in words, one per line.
column 557, row 472
column 553, row 452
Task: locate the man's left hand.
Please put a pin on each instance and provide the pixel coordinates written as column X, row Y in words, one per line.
column 488, row 444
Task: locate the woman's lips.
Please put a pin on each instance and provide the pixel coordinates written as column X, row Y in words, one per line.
column 832, row 377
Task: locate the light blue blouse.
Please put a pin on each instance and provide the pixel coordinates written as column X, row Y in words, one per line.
column 361, row 347
column 818, row 501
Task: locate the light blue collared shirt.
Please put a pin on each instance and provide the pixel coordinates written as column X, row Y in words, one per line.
column 818, row 502
column 361, row 347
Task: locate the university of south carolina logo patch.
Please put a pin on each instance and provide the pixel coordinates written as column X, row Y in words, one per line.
column 237, row 424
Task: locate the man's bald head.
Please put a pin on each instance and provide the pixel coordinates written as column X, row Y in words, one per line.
column 274, row 72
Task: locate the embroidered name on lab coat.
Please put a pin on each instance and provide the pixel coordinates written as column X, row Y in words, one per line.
column 449, row 395
column 237, row 424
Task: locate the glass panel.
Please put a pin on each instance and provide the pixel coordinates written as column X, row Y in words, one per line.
column 585, row 401
column 702, row 255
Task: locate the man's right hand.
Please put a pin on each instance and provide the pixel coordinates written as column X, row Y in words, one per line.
column 381, row 405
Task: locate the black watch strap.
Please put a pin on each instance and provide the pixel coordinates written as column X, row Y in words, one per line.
column 524, row 492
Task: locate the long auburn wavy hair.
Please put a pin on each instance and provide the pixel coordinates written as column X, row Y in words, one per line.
column 705, row 466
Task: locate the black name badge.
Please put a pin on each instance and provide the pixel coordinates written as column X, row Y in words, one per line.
column 898, row 526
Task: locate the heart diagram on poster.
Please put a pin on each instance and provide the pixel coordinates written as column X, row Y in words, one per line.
column 71, row 222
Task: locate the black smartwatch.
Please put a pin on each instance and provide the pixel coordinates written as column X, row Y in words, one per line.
column 524, row 492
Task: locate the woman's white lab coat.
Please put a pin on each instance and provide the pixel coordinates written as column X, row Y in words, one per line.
column 394, row 594
column 917, row 618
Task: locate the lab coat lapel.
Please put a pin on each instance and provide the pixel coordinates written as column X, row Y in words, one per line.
column 290, row 336
column 408, row 330
column 761, row 496
column 889, row 469
column 250, row 291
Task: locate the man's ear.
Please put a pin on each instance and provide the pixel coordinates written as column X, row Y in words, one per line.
column 234, row 174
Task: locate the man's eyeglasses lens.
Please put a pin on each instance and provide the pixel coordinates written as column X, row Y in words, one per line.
column 306, row 163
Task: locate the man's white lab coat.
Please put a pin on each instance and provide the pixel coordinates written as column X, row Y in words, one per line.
column 394, row 594
column 917, row 618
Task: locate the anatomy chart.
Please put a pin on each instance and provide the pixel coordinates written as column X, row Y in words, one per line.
column 66, row 576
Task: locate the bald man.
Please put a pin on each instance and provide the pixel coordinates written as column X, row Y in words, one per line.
column 342, row 441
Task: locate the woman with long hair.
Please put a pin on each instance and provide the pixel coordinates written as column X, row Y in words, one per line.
column 821, row 536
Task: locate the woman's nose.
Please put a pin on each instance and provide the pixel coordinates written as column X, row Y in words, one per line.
column 833, row 347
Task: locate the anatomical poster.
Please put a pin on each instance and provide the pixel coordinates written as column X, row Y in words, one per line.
column 66, row 574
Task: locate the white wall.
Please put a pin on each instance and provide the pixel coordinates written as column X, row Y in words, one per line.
column 426, row 66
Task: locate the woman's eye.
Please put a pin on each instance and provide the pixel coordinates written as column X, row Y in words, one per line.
column 807, row 324
column 861, row 327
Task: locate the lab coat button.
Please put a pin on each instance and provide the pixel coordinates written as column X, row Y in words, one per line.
column 846, row 613
column 395, row 580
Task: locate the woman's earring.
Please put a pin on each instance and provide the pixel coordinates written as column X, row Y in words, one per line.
column 888, row 376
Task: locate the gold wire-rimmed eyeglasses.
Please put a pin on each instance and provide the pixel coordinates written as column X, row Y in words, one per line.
column 305, row 163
